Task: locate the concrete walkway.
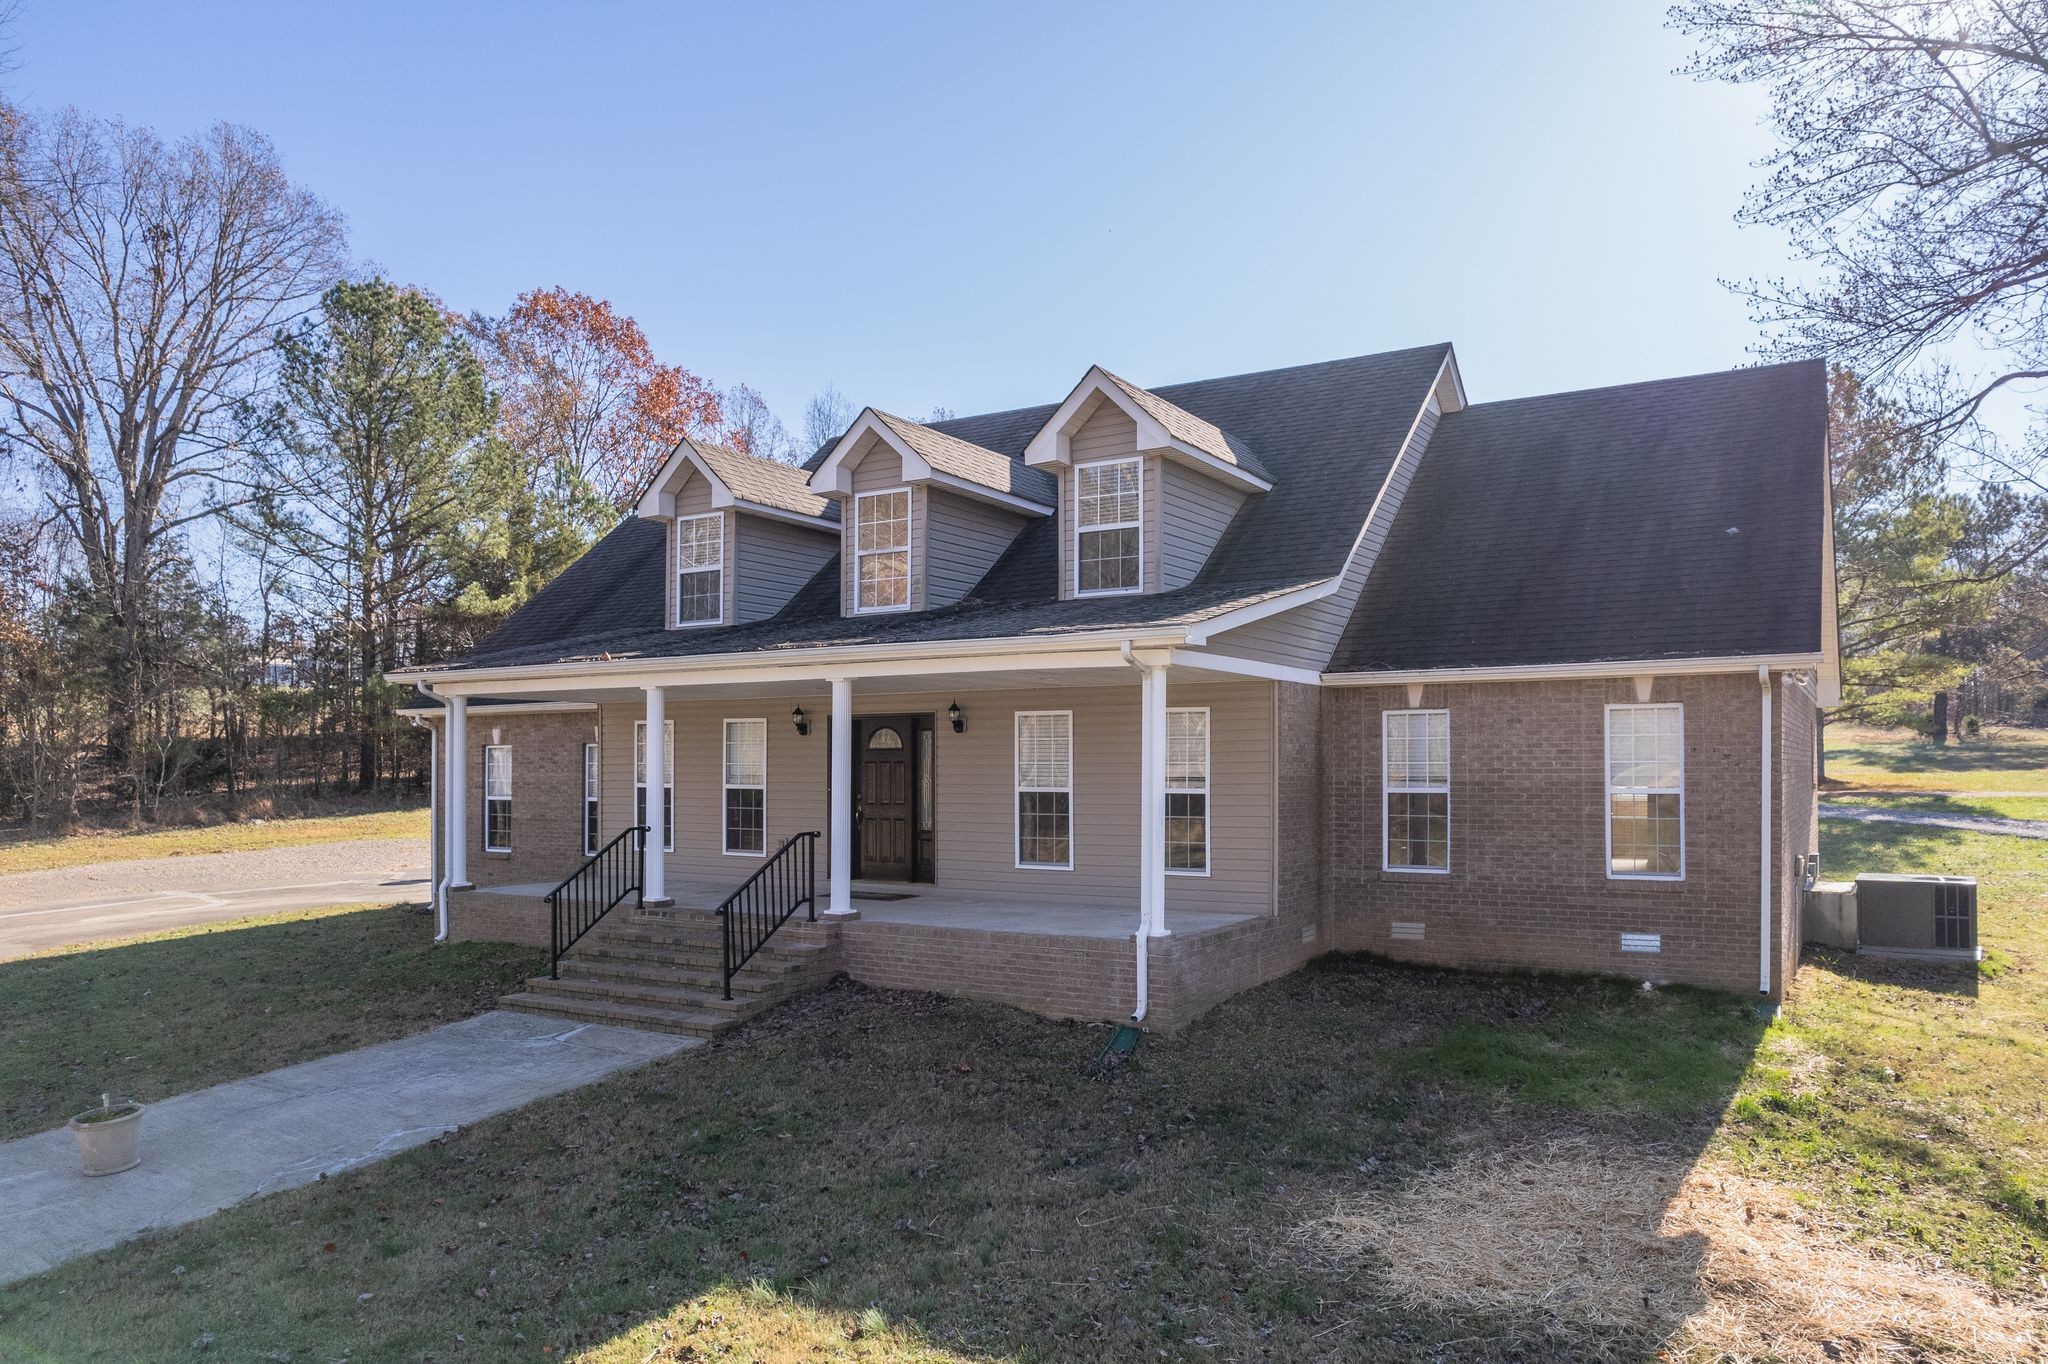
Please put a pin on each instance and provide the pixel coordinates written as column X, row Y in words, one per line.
column 204, row 1151
column 1971, row 824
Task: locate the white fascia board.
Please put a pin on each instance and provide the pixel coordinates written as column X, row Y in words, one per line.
column 1204, row 631
column 1828, row 680
column 1450, row 380
column 1052, row 444
column 1548, row 672
column 509, row 708
column 1049, row 445
column 1244, row 667
column 783, row 514
column 1220, row 469
column 982, row 493
column 1287, row 601
column 835, row 477
column 1088, row 650
column 660, row 500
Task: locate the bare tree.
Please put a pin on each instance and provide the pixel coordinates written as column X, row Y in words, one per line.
column 825, row 418
column 750, row 426
column 1913, row 173
column 140, row 283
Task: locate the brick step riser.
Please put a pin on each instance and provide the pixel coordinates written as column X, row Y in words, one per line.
column 657, row 973
column 659, row 996
column 595, row 1011
column 788, row 958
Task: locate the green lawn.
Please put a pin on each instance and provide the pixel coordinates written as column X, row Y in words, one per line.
column 876, row 1176
column 21, row 853
column 1996, row 807
column 153, row 1016
column 1888, row 759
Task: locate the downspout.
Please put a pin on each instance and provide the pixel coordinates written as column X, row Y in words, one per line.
column 437, row 883
column 1763, row 985
column 1143, row 946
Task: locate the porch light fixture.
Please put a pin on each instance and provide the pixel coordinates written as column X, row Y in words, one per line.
column 803, row 726
column 959, row 720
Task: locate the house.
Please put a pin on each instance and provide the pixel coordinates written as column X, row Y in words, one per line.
column 1117, row 706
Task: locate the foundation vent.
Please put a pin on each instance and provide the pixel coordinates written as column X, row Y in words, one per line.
column 1642, row 942
column 1408, row 932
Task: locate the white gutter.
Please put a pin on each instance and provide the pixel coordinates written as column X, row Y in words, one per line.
column 798, row 663
column 1144, row 925
column 437, row 884
column 1541, row 672
column 1763, row 677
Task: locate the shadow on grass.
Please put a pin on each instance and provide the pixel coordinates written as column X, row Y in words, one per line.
column 1912, row 756
column 155, row 1016
column 966, row 1172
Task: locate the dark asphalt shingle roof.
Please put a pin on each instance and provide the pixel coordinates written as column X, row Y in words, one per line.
column 1184, row 425
column 949, row 454
column 1675, row 519
column 1327, row 434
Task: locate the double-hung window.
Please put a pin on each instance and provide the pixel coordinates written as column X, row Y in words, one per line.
column 1187, row 791
column 498, row 798
column 1108, row 543
column 746, row 787
column 700, row 569
column 881, row 551
column 1045, row 789
column 590, row 790
column 1415, row 758
column 668, row 780
column 1646, row 792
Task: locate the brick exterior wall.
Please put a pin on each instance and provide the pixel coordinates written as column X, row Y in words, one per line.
column 1527, row 885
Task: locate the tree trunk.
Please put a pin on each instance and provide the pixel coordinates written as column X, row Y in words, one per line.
column 1820, row 747
column 1938, row 730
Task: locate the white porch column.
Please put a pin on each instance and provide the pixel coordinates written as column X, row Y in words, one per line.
column 1152, row 847
column 455, row 818
column 654, row 872
column 839, row 903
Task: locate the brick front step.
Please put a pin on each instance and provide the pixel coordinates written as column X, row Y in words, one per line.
column 669, row 978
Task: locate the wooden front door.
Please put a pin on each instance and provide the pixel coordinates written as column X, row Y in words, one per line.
column 885, row 798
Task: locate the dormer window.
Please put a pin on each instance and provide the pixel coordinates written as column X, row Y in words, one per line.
column 881, row 538
column 1108, row 541
column 700, row 569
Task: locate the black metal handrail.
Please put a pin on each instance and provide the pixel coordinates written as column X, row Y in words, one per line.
column 594, row 890
column 764, row 901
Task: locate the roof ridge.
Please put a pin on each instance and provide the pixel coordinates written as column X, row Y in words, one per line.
column 1634, row 384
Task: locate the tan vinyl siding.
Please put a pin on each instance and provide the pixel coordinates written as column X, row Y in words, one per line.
column 694, row 499
column 974, row 795
column 961, row 539
column 1194, row 511
column 1306, row 636
column 1107, row 434
column 771, row 560
column 879, row 468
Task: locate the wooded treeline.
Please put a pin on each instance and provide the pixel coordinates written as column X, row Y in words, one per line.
column 246, row 479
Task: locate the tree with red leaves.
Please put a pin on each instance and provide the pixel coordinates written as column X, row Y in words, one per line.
column 582, row 399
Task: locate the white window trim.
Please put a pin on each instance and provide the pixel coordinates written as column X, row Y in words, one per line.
column 1018, row 788
column 909, row 550
column 1139, row 524
column 1387, row 793
column 1609, row 790
column 718, row 619
column 489, row 749
column 668, row 776
column 1206, row 792
column 725, row 775
column 593, row 792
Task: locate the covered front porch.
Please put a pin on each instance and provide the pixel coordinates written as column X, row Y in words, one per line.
column 1001, row 827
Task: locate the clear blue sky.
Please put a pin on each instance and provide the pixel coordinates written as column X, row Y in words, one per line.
column 967, row 204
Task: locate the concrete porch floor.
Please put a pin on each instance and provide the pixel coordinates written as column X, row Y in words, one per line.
column 900, row 902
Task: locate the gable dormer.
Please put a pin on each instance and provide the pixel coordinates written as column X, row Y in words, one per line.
column 1146, row 488
column 744, row 534
column 923, row 514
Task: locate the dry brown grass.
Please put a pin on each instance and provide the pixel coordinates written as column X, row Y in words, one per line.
column 1711, row 1264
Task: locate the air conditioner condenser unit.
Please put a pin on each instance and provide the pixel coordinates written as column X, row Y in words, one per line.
column 1932, row 917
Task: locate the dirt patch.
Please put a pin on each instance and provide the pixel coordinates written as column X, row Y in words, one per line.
column 1574, row 1238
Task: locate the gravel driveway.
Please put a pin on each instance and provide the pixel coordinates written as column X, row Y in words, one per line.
column 44, row 909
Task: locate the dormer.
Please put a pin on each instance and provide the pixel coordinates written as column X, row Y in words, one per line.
column 923, row 514
column 1146, row 488
column 744, row 534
